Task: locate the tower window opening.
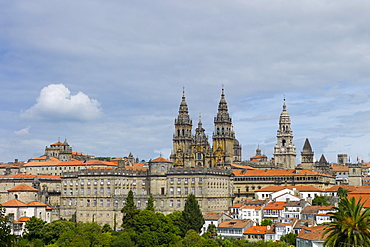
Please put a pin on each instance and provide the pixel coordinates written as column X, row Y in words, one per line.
column 218, row 131
column 284, row 143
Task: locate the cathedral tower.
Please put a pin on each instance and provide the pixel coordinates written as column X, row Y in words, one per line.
column 201, row 148
column 223, row 135
column 285, row 151
column 182, row 138
column 307, row 156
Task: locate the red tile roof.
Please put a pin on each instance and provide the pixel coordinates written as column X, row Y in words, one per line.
column 313, row 233
column 277, row 173
column 234, row 224
column 256, row 230
column 29, row 176
column 336, row 187
column 13, row 203
column 23, row 219
column 213, row 216
column 23, row 187
column 276, row 205
column 298, row 188
column 37, row 204
column 160, row 160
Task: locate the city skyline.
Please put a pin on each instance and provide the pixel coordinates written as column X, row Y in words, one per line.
column 109, row 77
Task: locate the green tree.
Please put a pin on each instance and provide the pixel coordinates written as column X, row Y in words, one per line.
column 289, row 238
column 191, row 216
column 34, row 228
column 211, row 231
column 5, row 236
column 123, row 239
column 350, row 225
column 266, row 222
column 129, row 212
column 150, row 203
column 52, row 231
column 320, row 201
column 342, row 192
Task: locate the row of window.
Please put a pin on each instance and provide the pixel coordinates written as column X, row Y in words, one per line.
column 186, row 190
column 186, row 180
column 101, row 182
column 102, row 191
column 100, row 203
column 288, row 178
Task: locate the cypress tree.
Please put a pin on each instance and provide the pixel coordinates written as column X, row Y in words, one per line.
column 191, row 217
column 129, row 212
column 150, row 203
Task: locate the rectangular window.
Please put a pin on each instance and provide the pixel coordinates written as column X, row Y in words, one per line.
column 108, row 191
column 101, row 181
column 95, row 191
column 94, row 203
column 95, row 181
column 76, row 191
column 186, row 190
column 101, row 203
column 64, row 191
column 179, row 181
column 88, row 182
column 134, row 182
column 193, row 190
column 116, row 203
column 200, row 190
column 186, row 181
column 200, row 180
column 82, row 182
column 88, row 191
column 193, row 180
column 178, row 203
column 88, row 203
column 101, row 191
column 171, row 191
column 82, row 191
column 171, row 180
column 171, row 203
column 179, row 191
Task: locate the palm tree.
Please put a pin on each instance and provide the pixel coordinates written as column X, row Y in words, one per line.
column 350, row 225
column 342, row 192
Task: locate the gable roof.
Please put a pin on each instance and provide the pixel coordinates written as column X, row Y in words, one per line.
column 260, row 230
column 13, row 203
column 277, row 173
column 234, row 224
column 23, row 187
column 302, row 188
column 212, row 216
column 313, row 233
column 336, row 187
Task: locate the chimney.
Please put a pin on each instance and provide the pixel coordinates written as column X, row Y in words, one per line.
column 16, row 161
column 287, row 200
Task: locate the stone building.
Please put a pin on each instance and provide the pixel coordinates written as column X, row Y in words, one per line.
column 285, row 151
column 195, row 150
column 100, row 194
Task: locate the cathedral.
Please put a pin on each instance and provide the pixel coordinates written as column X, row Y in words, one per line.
column 194, row 150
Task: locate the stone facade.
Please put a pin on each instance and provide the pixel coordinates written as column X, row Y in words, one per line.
column 100, row 194
column 195, row 150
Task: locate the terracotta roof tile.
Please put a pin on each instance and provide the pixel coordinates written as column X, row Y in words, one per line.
column 160, row 160
column 277, row 172
column 213, row 216
column 260, row 230
column 23, row 219
column 313, row 233
column 234, row 224
column 23, row 187
column 37, row 204
column 276, row 205
column 298, row 188
column 30, row 176
column 13, row 203
column 336, row 187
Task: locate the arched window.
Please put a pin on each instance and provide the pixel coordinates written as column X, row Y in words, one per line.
column 284, row 143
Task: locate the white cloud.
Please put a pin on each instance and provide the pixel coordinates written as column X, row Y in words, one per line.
column 24, row 131
column 56, row 103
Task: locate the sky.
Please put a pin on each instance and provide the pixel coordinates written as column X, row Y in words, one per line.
column 108, row 75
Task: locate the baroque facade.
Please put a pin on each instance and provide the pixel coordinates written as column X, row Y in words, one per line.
column 195, row 150
column 100, row 194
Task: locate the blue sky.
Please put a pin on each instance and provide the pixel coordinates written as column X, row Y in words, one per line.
column 109, row 75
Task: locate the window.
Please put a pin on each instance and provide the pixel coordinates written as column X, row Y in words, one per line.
column 82, row 182
column 116, row 203
column 108, row 191
column 76, row 191
column 171, row 203
column 88, row 203
column 179, row 181
column 171, row 191
column 95, row 181
column 186, row 191
column 108, row 203
column 88, row 182
column 82, row 191
column 101, row 181
column 162, row 168
column 94, row 203
column 193, row 190
column 64, row 191
column 171, row 180
column 88, row 191
column 186, row 181
column 179, row 191
column 101, row 203
column 200, row 189
column 200, row 180
column 101, row 191
column 95, row 191
column 162, row 191
column 178, row 203
column 193, row 180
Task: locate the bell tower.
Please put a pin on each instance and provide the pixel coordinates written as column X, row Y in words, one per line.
column 201, row 147
column 285, row 151
column 307, row 156
column 182, row 138
column 223, row 135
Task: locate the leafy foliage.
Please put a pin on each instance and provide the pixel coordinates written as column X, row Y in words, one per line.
column 52, row 231
column 191, row 217
column 34, row 228
column 5, row 236
column 129, row 212
column 342, row 192
column 150, row 203
column 320, row 201
column 350, row 225
column 289, row 238
column 266, row 222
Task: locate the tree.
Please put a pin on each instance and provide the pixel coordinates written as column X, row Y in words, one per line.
column 350, row 225
column 266, row 222
column 289, row 238
column 129, row 212
column 52, row 231
column 150, row 203
column 5, row 230
column 191, row 216
column 320, row 201
column 34, row 228
column 342, row 192
column 211, row 231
